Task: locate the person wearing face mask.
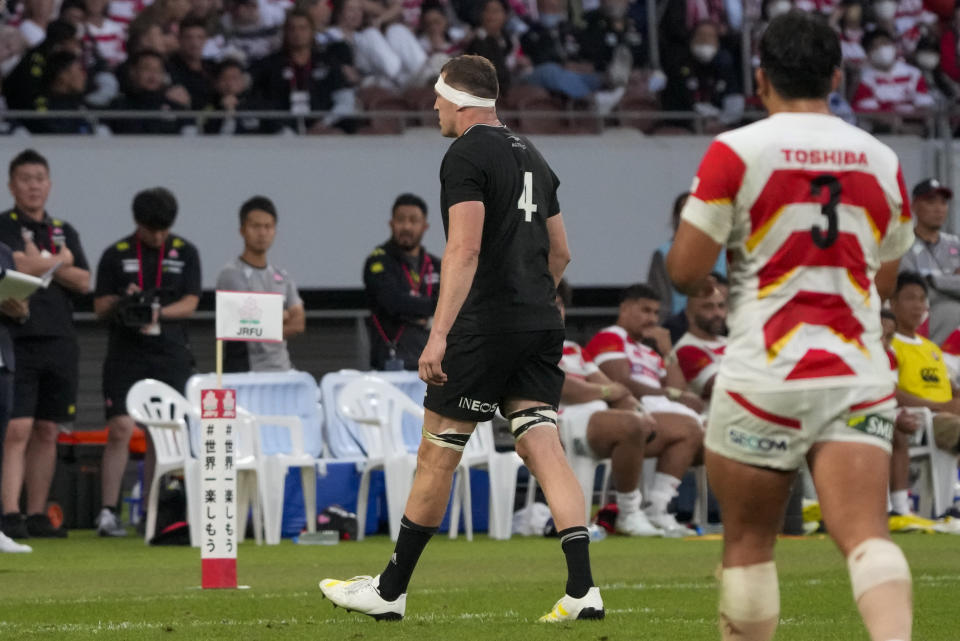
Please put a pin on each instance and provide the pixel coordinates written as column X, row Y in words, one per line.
column 887, row 83
column 704, row 80
column 927, row 60
column 907, row 20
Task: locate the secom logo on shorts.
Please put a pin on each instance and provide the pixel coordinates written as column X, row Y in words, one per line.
column 874, row 425
column 476, row 406
column 753, row 443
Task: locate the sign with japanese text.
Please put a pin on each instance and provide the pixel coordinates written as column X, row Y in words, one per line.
column 218, row 540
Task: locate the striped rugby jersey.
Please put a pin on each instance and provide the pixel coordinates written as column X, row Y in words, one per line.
column 808, row 207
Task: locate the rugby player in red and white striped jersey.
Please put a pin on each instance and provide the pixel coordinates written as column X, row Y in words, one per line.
column 814, row 217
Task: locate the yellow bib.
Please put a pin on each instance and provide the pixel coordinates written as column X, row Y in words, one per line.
column 921, row 369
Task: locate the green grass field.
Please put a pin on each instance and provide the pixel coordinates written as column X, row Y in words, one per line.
column 92, row 588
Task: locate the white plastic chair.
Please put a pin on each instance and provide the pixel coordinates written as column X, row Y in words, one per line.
column 378, row 408
column 581, row 459
column 165, row 414
column 939, row 467
column 279, row 441
column 502, row 469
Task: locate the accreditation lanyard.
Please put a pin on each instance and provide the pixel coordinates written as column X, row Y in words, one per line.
column 140, row 265
column 425, row 274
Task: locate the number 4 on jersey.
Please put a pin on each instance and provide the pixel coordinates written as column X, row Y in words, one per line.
column 526, row 198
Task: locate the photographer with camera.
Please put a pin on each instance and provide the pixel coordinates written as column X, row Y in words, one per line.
column 148, row 284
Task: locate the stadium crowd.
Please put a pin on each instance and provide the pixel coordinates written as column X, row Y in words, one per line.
column 344, row 57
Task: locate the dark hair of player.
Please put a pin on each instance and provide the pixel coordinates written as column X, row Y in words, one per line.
column 155, row 208
column 639, row 291
column 678, row 203
column 799, row 54
column 27, row 157
column 257, row 203
column 565, row 292
column 720, row 278
column 905, row 279
column 474, row 74
column 888, row 314
column 410, row 200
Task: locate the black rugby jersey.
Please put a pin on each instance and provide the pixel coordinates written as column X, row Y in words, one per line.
column 513, row 289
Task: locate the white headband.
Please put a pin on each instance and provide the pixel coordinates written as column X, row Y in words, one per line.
column 461, row 98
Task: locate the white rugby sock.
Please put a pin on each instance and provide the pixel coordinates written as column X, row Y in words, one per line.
column 664, row 489
column 900, row 501
column 628, row 502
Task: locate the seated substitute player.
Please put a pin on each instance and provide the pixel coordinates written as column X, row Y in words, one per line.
column 922, row 376
column 700, row 349
column 814, row 215
column 604, row 417
column 624, row 353
column 252, row 272
column 496, row 338
column 148, row 285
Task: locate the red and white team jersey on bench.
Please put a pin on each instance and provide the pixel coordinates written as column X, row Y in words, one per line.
column 808, row 208
column 575, row 362
column 612, row 343
column 699, row 359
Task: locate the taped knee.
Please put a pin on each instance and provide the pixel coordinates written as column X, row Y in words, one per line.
column 450, row 439
column 750, row 594
column 875, row 562
column 523, row 421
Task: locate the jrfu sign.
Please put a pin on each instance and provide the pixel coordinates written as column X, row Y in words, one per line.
column 249, row 316
column 218, row 543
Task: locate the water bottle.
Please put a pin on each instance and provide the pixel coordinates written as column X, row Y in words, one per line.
column 597, row 532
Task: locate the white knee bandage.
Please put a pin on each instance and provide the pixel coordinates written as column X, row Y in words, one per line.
column 524, row 420
column 750, row 593
column 874, row 562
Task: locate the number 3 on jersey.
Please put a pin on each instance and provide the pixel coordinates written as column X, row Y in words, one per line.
column 526, row 203
column 828, row 209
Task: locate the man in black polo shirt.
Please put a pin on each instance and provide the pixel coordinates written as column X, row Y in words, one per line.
column 45, row 346
column 402, row 282
column 148, row 284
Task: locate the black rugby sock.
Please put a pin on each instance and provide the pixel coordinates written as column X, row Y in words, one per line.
column 575, row 542
column 410, row 543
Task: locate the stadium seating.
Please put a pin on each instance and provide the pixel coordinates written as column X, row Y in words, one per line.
column 939, row 471
column 501, row 468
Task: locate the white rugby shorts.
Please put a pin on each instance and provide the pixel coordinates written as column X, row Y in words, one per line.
column 777, row 429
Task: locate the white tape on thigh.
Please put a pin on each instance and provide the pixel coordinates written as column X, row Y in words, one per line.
column 450, row 439
column 874, row 562
column 750, row 593
column 523, row 421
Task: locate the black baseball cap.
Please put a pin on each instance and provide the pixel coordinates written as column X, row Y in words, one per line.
column 929, row 186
